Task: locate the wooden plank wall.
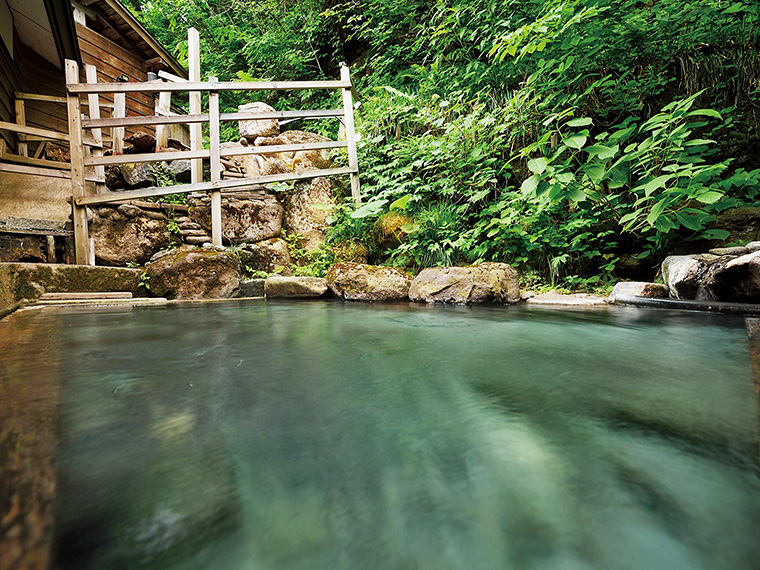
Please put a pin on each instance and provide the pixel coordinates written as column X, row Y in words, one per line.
column 40, row 76
column 10, row 81
column 112, row 61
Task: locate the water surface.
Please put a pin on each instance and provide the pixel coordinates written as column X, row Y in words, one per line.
column 327, row 435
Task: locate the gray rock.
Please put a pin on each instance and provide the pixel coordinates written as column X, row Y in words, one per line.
column 194, row 273
column 572, row 299
column 243, row 221
column 141, row 142
column 119, row 240
column 293, row 287
column 485, row 283
column 729, row 251
column 736, row 280
column 189, row 226
column 639, row 289
column 180, row 169
column 197, row 240
column 154, row 215
column 251, row 288
column 301, row 160
column 685, row 274
column 132, row 175
column 129, row 211
column 187, row 233
column 753, row 246
column 307, row 210
column 360, row 282
column 253, row 128
column 104, row 211
column 267, row 255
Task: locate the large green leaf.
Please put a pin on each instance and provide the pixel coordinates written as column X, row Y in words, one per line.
column 537, row 165
column 657, row 183
column 575, row 141
column 710, row 197
column 530, row 184
column 369, row 209
column 582, row 122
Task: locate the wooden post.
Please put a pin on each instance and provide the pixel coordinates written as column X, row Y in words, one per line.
column 216, row 165
column 93, row 102
column 23, row 149
column 163, row 106
column 348, row 118
column 194, row 74
column 119, row 112
column 79, row 214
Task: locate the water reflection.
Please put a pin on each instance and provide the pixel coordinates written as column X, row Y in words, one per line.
column 323, row 435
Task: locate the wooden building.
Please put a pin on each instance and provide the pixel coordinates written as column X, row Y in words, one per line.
column 36, row 36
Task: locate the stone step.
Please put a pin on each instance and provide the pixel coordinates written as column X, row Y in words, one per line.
column 86, row 296
column 105, row 302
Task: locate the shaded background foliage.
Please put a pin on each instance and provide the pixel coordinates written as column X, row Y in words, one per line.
column 579, row 139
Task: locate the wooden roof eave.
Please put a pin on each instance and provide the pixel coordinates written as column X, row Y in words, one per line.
column 146, row 36
column 64, row 31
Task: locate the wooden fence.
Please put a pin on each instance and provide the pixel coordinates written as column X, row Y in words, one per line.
column 85, row 138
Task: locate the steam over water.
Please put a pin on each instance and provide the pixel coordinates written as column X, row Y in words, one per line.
column 322, row 435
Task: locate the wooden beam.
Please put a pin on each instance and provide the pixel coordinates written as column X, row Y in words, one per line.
column 93, row 100
column 78, row 188
column 170, row 119
column 228, row 185
column 37, row 97
column 35, row 171
column 348, row 118
column 194, row 154
column 146, row 87
column 216, row 166
column 119, row 112
column 196, row 132
column 23, row 148
column 44, row 133
column 41, row 162
column 163, row 105
column 171, row 77
column 146, row 157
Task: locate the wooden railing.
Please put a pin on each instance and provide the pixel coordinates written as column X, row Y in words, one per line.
column 82, row 130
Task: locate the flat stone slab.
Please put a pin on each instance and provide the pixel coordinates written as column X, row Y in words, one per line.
column 639, row 289
column 85, row 296
column 574, row 299
column 294, row 287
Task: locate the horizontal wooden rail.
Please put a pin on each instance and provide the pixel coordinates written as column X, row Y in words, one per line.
column 205, row 186
column 204, row 118
column 36, row 171
column 191, row 154
column 145, row 157
column 14, row 128
column 53, row 99
column 204, row 86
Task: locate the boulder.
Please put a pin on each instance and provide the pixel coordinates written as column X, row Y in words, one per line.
column 29, row 249
column 307, row 210
column 292, row 287
column 180, row 169
column 485, row 283
column 255, row 164
column 743, row 224
column 729, row 251
column 251, row 288
column 252, row 128
column 753, row 246
column 121, row 237
column 141, row 142
column 193, row 273
column 246, row 220
column 572, row 299
column 301, row 160
column 736, row 280
column 267, row 255
column 360, row 282
column 132, row 175
column 639, row 289
column 685, row 275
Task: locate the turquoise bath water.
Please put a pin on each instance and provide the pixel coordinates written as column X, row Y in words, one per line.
column 344, row 436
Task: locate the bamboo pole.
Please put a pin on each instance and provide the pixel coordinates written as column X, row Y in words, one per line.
column 216, row 167
column 348, row 118
column 78, row 189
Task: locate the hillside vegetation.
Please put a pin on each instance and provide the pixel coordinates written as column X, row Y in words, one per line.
column 580, row 140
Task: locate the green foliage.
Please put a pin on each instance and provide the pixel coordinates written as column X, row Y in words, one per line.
column 557, row 135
